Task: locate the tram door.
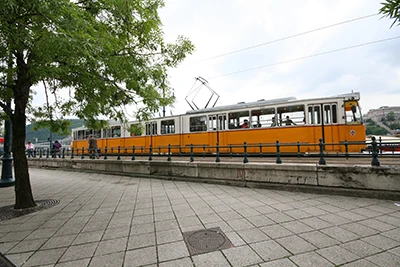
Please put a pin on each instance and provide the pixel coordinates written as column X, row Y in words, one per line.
column 315, row 119
column 216, row 123
column 330, row 128
column 151, row 129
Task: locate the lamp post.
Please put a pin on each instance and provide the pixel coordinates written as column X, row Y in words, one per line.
column 6, row 170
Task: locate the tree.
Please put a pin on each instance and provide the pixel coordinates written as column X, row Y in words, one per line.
column 390, row 116
column 391, row 9
column 92, row 57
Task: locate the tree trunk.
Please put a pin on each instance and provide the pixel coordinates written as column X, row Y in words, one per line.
column 23, row 191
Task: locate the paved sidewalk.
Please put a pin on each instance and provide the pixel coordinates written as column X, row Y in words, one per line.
column 110, row 220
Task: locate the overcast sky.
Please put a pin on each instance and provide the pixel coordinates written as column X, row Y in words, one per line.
column 217, row 27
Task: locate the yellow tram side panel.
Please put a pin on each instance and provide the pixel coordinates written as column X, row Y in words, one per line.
column 354, row 133
column 160, row 143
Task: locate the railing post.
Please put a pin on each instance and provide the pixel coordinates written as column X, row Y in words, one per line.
column 375, row 161
column 126, row 150
column 278, row 153
column 105, row 152
column 346, row 147
column 180, row 151
column 150, row 153
column 40, row 153
column 245, row 159
column 119, row 153
column 112, row 151
column 321, row 153
column 169, row 152
column 159, row 150
column 380, row 145
column 63, row 153
column 230, row 150
column 191, row 153
column 261, row 150
column 83, row 151
column 204, row 151
column 72, row 153
column 133, row 152
column 217, row 159
column 298, row 149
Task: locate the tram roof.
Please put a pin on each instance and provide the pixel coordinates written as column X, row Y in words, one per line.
column 262, row 102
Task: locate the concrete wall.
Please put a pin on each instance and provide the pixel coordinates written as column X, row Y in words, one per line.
column 376, row 181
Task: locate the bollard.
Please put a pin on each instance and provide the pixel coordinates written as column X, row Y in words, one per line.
column 72, row 153
column 278, row 153
column 169, row 152
column 191, row 153
column 151, row 153
column 261, row 150
column 83, row 150
column 63, row 153
column 105, row 152
column 230, row 150
column 133, row 152
column 346, row 147
column 375, row 161
column 298, row 149
column 119, row 153
column 321, row 153
column 217, row 159
column 245, row 159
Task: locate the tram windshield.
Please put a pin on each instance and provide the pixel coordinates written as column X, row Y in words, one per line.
column 353, row 112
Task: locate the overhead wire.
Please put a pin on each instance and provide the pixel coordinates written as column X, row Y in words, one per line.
column 287, row 37
column 306, row 57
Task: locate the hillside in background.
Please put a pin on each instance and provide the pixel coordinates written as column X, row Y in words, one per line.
column 43, row 134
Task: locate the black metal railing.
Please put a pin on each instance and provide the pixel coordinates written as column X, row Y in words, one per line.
column 373, row 150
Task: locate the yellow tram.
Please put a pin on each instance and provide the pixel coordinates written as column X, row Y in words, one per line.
column 333, row 119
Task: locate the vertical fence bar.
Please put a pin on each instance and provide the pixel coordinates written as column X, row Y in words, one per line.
column 261, row 154
column 191, row 153
column 204, row 151
column 375, row 161
column 217, row 159
column 230, row 150
column 63, row 153
column 245, row 159
column 321, row 153
column 298, row 149
column 126, row 151
column 47, row 152
column 159, row 150
column 169, row 152
column 278, row 153
column 119, row 153
column 83, row 150
column 346, row 147
column 151, row 153
column 133, row 152
column 380, row 145
column 72, row 153
column 105, row 152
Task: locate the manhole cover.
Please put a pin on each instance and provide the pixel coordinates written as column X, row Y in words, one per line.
column 206, row 240
column 8, row 212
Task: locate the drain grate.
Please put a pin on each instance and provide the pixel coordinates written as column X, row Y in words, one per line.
column 4, row 262
column 8, row 212
column 206, row 240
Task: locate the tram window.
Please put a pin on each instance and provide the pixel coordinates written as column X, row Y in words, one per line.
column 352, row 112
column 116, row 131
column 262, row 117
column 330, row 113
column 198, row 124
column 167, row 126
column 79, row 135
column 136, row 129
column 314, row 115
column 236, row 119
column 291, row 115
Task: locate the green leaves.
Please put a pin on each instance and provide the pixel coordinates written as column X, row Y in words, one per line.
column 391, row 9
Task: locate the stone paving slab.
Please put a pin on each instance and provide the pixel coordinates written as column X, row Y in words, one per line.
column 112, row 220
